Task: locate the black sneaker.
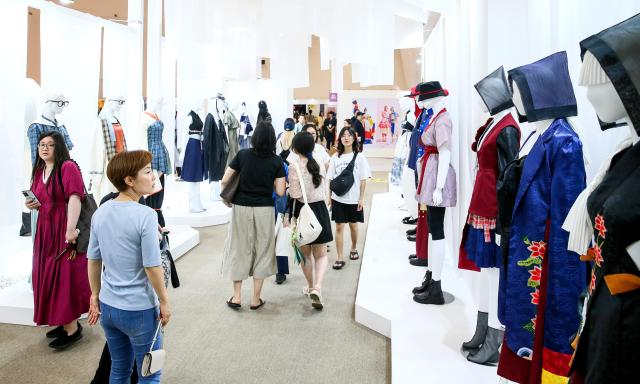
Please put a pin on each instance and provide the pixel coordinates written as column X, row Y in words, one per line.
column 411, row 238
column 56, row 332
column 280, row 278
column 411, row 231
column 65, row 341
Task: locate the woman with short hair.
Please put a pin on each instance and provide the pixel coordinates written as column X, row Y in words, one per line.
column 125, row 268
column 249, row 249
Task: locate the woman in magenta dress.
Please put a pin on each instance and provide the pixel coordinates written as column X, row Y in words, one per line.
column 60, row 282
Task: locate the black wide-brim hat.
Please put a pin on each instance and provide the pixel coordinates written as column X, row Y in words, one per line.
column 617, row 49
column 429, row 90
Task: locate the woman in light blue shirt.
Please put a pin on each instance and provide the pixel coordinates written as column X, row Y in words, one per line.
column 125, row 269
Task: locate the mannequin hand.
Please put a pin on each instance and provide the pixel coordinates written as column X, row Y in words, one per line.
column 498, row 238
column 31, row 204
column 437, row 196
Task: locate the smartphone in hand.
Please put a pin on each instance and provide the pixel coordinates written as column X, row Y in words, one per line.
column 29, row 195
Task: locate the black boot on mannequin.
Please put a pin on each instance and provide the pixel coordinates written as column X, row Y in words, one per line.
column 480, row 333
column 432, row 295
column 488, row 354
column 426, row 280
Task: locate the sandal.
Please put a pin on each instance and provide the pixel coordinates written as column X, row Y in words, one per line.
column 353, row 255
column 233, row 305
column 254, row 307
column 338, row 265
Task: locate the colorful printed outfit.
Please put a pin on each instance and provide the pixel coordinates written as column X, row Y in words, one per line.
column 539, row 298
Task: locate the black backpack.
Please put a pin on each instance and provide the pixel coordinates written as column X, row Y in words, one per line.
column 344, row 181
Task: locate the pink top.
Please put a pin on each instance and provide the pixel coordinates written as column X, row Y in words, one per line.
column 313, row 194
column 437, row 134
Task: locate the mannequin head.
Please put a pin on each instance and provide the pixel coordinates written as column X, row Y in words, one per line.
column 54, row 104
column 431, row 95
column 112, row 105
column 495, row 93
column 481, row 104
column 610, row 62
column 544, row 89
column 154, row 105
column 517, row 100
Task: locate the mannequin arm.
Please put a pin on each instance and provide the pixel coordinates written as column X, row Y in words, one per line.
column 444, row 159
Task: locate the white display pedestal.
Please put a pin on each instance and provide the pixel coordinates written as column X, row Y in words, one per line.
column 425, row 339
column 176, row 206
column 16, row 301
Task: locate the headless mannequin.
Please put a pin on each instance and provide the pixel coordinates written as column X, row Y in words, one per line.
column 436, row 255
column 99, row 183
column 610, row 109
column 195, row 202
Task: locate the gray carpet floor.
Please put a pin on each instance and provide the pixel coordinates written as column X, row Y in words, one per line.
column 284, row 342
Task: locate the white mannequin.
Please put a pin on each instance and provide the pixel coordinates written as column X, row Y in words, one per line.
column 436, row 255
column 195, row 201
column 99, row 183
column 408, row 179
column 609, row 108
column 50, row 108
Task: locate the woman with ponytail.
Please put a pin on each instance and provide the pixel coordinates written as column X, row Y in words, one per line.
column 312, row 177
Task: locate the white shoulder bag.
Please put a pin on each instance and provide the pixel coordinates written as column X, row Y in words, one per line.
column 306, row 228
column 153, row 361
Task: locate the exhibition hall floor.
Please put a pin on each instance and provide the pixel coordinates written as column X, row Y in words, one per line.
column 206, row 342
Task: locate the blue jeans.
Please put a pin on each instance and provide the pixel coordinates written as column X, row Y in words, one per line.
column 129, row 335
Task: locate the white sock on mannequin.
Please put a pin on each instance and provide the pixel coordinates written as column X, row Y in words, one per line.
column 195, row 204
column 436, row 259
column 493, row 280
column 481, row 290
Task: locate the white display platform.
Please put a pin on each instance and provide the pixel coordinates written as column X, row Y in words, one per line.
column 425, row 339
column 16, row 301
column 176, row 206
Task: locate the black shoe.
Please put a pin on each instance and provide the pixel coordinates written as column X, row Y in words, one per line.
column 411, row 238
column 419, row 262
column 432, row 295
column 488, row 354
column 280, row 278
column 65, row 341
column 480, row 332
column 411, row 231
column 56, row 332
column 413, row 256
column 426, row 280
column 409, row 220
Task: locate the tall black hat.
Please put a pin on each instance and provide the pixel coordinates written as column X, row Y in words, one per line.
column 495, row 92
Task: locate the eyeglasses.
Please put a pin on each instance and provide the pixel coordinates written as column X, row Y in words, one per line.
column 121, row 102
column 46, row 146
column 61, row 103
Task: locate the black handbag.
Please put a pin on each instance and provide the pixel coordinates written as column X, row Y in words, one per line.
column 344, row 181
column 87, row 208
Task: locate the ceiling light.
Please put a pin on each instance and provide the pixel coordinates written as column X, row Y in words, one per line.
column 66, row 2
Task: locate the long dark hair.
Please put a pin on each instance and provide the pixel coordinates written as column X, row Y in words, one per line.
column 60, row 155
column 354, row 145
column 263, row 140
column 304, row 144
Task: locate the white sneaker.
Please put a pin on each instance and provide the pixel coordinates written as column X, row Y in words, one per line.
column 316, row 299
column 305, row 291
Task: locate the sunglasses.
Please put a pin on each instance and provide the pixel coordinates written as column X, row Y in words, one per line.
column 120, row 102
column 60, row 103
